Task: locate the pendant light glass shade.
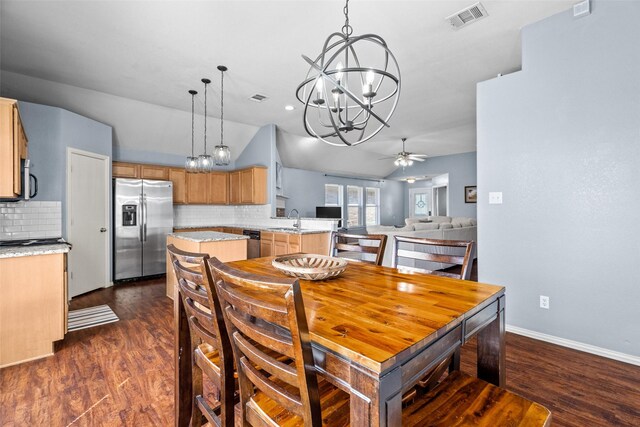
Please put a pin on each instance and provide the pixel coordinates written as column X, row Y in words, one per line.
column 351, row 89
column 191, row 164
column 205, row 161
column 222, row 153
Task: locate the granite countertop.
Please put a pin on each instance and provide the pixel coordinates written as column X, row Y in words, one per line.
column 208, row 236
column 272, row 229
column 17, row 251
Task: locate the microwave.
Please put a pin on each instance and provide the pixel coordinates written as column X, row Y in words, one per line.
column 29, row 184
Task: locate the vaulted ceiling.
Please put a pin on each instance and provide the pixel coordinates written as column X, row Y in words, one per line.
column 154, row 51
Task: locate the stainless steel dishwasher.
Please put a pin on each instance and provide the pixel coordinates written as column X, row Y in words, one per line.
column 253, row 244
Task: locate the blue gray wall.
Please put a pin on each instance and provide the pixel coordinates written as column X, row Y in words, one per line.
column 261, row 151
column 305, row 190
column 50, row 131
column 462, row 172
column 560, row 139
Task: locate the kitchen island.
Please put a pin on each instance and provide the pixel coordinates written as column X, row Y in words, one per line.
column 224, row 246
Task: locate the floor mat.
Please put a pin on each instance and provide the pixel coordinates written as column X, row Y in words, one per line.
column 90, row 317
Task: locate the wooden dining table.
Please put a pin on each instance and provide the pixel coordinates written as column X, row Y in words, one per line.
column 376, row 331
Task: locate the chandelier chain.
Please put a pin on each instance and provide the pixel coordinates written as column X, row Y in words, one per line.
column 205, row 118
column 346, row 29
column 222, row 109
column 193, row 95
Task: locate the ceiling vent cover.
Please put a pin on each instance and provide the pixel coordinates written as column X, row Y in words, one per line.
column 467, row 16
column 257, row 98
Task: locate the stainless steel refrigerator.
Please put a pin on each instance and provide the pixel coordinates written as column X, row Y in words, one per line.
column 143, row 216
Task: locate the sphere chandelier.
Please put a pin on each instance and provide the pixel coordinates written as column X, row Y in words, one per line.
column 351, row 89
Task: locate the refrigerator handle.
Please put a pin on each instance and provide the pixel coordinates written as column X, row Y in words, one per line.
column 140, row 237
column 144, row 213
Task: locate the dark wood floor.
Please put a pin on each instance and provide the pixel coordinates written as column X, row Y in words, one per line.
column 122, row 373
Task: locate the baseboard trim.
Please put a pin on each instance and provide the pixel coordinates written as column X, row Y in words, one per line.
column 587, row 348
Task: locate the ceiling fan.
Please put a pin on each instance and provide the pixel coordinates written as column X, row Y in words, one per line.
column 404, row 158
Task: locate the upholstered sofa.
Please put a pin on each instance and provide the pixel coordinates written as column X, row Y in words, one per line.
column 435, row 227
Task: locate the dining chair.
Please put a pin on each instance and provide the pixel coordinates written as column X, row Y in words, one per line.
column 425, row 255
column 432, row 256
column 359, row 247
column 261, row 313
column 462, row 400
column 210, row 348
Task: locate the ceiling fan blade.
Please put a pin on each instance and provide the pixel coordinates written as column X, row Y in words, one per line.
column 387, row 158
column 418, row 155
column 417, row 159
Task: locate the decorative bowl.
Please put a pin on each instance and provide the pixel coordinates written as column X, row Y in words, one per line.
column 310, row 266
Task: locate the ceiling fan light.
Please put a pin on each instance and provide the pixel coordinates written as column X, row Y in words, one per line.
column 411, row 180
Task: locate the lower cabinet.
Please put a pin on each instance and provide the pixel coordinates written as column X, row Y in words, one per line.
column 33, row 306
column 275, row 244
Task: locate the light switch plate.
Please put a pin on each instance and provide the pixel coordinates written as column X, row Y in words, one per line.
column 495, row 198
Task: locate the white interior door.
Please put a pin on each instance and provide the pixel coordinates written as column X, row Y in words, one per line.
column 87, row 221
column 419, row 202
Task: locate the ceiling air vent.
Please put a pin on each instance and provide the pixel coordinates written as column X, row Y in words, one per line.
column 257, row 98
column 467, row 16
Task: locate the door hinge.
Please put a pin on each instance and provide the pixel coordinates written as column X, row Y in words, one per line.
column 71, row 275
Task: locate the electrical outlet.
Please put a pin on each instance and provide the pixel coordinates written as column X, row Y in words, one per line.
column 544, row 302
column 495, row 198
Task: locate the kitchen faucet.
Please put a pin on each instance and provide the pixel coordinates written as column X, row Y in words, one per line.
column 297, row 223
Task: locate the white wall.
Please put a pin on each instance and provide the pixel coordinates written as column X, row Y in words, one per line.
column 561, row 140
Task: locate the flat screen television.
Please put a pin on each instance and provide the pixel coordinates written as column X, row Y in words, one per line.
column 329, row 212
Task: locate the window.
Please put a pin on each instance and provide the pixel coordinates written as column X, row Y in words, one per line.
column 372, row 209
column 333, row 195
column 354, row 205
column 419, row 201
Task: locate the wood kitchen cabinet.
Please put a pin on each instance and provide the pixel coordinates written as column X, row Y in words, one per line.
column 197, row 188
column 33, row 306
column 178, row 178
column 13, row 148
column 125, row 170
column 219, row 188
column 275, row 244
column 154, row 172
column 234, row 188
column 248, row 186
column 242, row 187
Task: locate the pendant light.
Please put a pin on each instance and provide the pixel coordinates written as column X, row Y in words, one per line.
column 339, row 92
column 205, row 161
column 191, row 164
column 221, row 153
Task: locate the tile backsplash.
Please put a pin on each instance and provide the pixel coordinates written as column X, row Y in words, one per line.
column 29, row 219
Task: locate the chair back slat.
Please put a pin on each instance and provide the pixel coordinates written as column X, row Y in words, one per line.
column 266, row 362
column 248, row 302
column 272, row 389
column 351, row 246
column 196, row 293
column 262, row 335
column 448, row 252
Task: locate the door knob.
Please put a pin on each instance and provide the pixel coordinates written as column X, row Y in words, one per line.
column 103, row 230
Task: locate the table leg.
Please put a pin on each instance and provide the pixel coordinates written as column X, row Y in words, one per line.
column 182, row 339
column 492, row 351
column 375, row 401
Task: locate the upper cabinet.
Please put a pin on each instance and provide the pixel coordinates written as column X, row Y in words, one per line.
column 178, row 177
column 242, row 187
column 125, row 170
column 13, row 148
column 248, row 186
